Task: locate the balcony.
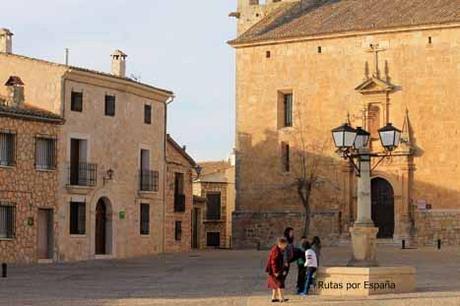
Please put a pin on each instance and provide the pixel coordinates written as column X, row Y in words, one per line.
column 179, row 203
column 82, row 174
column 148, row 180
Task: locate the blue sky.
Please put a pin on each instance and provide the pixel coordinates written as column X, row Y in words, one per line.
column 174, row 44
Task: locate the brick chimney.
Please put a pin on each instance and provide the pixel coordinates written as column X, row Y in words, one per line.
column 119, row 63
column 6, row 41
column 15, row 88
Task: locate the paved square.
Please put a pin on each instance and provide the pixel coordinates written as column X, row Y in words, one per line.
column 214, row 278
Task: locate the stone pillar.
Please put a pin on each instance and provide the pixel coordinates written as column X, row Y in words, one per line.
column 363, row 232
column 364, row 217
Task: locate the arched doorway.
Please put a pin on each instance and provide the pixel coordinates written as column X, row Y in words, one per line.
column 383, row 209
column 103, row 232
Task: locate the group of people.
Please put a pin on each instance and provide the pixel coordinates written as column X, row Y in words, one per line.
column 282, row 254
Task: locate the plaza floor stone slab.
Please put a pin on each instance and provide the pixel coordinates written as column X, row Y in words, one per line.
column 215, row 278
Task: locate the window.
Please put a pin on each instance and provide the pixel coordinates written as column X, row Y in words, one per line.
column 178, row 231
column 147, row 114
column 7, row 148
column 213, row 239
column 109, row 105
column 179, row 197
column 45, row 153
column 7, row 221
column 285, row 156
column 213, row 206
column 287, row 107
column 430, row 40
column 77, row 218
column 145, row 219
column 320, row 50
column 76, row 101
column 268, row 54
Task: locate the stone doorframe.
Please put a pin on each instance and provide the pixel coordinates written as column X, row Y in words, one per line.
column 110, row 226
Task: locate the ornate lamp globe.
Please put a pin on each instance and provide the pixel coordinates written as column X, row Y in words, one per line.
column 344, row 137
column 362, row 138
column 390, row 137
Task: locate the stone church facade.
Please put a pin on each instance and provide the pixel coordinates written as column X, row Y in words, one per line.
column 305, row 67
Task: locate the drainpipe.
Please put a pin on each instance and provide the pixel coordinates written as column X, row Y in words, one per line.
column 165, row 169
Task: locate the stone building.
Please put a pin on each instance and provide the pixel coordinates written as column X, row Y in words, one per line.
column 28, row 177
column 301, row 67
column 179, row 198
column 111, row 162
column 216, row 185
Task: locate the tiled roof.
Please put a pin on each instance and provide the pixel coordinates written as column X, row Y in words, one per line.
column 210, row 167
column 92, row 71
column 29, row 112
column 320, row 17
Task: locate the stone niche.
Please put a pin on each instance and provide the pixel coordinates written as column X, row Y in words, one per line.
column 364, row 281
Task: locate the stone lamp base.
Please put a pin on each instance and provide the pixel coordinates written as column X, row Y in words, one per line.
column 364, row 244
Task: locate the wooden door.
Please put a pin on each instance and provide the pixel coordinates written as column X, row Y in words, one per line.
column 383, row 208
column 101, row 221
column 196, row 228
column 45, row 234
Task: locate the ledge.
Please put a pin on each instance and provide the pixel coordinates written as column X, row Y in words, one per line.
column 78, row 189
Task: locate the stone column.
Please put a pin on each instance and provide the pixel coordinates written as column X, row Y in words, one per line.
column 364, row 217
column 363, row 232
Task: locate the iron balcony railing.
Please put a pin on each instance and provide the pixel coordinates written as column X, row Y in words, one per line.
column 82, row 174
column 148, row 180
column 179, row 202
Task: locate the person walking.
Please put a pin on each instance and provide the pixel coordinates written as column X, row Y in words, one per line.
column 275, row 268
column 316, row 246
column 301, row 269
column 311, row 264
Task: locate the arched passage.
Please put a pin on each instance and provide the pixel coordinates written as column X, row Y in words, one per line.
column 103, row 230
column 383, row 208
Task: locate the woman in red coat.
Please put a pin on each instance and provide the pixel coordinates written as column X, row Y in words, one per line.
column 275, row 269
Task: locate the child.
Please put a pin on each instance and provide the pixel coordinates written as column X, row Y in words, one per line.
column 311, row 263
column 275, row 269
column 301, row 270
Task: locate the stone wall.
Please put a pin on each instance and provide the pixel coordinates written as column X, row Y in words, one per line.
column 28, row 189
column 215, row 225
column 260, row 230
column 431, row 225
column 177, row 163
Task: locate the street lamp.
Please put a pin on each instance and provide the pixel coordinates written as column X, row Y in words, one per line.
column 344, row 137
column 362, row 138
column 390, row 137
column 352, row 144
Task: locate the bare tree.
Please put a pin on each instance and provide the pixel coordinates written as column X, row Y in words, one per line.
column 309, row 161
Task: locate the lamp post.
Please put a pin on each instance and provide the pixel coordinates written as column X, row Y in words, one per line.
column 352, row 144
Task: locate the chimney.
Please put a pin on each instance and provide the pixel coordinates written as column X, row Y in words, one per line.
column 119, row 63
column 6, row 41
column 15, row 88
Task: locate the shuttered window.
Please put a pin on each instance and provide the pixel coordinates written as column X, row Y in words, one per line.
column 109, row 105
column 77, row 218
column 147, row 114
column 7, row 221
column 213, row 206
column 76, row 101
column 178, row 231
column 287, row 103
column 7, row 148
column 45, row 153
column 145, row 219
column 285, row 157
column 213, row 239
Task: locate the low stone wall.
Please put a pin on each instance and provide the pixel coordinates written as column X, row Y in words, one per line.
column 253, row 230
column 431, row 225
